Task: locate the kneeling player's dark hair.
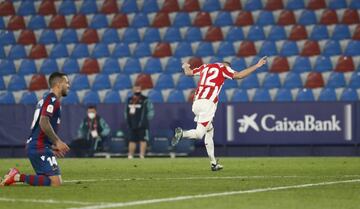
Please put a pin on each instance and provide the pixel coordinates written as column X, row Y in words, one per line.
column 55, row 77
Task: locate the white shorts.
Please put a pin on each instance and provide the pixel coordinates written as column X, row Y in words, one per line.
column 204, row 110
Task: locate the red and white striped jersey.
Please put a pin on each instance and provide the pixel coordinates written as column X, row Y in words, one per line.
column 212, row 77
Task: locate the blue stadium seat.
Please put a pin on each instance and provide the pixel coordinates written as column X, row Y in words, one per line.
column 26, row 8
column 48, row 66
column 185, row 82
column 100, row 50
column 112, row 97
column 69, row 36
column 6, row 97
column 240, row 95
column 349, row 94
column 150, row 6
column 265, row 18
column 193, row 34
column 122, row 82
column 307, row 17
column 176, row 96
column 110, row 36
column 142, row 50
column 152, row 65
column 261, row 95
column 98, row 21
column 111, row 66
column 132, row 65
column 183, row 49
column 7, row 37
column 151, row 35
column 2, row 84
column 67, row 7
column 223, row 18
column 277, row 33
column 305, row 95
column 249, row 82
column 80, row 51
column 235, row 34
column 28, row 97
column 27, row 66
column 16, row 83
column 229, row 84
column 215, row 59
column 319, row 32
column 354, row 80
column 165, row 81
column 17, row 52
column 88, row 7
column 131, row 35
column 336, row 4
column 292, row 80
column 283, row 95
column 354, row 4
column 327, row 94
column 155, row 96
column 185, row 147
column 353, row 48
column 91, row 98
column 302, row 64
column 70, row 66
column 71, row 98
column 172, row 34
column 271, row 80
column 222, row 96
column 256, row 33
column 121, row 50
column 173, row 65
column 341, row 32
column 48, row 36
column 129, row 6
column 268, row 48
column 252, row 5
column 2, row 24
column 211, row 5
column 238, row 63
column 101, row 82
column 332, row 47
column 79, row 82
column 336, row 80
column 2, row 53
column 160, row 141
column 140, row 20
column 204, row 49
column 36, row 22
column 322, row 64
column 226, row 49
column 181, row 19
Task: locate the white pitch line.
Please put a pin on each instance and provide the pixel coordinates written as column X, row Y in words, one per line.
column 49, row 201
column 190, row 197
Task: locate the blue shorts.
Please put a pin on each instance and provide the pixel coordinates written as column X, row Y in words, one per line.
column 44, row 163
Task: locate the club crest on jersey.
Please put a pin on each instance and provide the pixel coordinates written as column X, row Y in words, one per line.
column 50, row 108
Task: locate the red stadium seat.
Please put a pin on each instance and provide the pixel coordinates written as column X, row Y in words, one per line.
column 144, row 80
column 16, row 23
column 246, row 48
column 191, row 5
column 214, row 34
column 202, row 19
column 47, row 7
column 89, row 36
column 90, row 66
column 78, row 21
column 279, row 65
column 232, row 5
column 356, row 35
column 57, row 22
column 316, row 4
column 109, row 7
column 314, row 80
column 170, row 6
column 329, row 17
column 345, row 64
column 38, row 82
column 6, row 8
column 244, row 18
column 119, row 21
column 26, row 37
column 310, row 48
column 274, row 5
column 298, row 32
column 161, row 20
column 162, row 50
column 350, row 16
column 38, row 51
column 195, row 62
column 286, row 17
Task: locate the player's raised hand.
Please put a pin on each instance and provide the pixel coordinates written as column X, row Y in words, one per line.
column 261, row 62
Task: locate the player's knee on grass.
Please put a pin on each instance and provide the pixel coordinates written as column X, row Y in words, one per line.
column 55, row 180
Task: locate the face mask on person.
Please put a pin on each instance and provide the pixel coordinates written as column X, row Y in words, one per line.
column 91, row 115
column 137, row 93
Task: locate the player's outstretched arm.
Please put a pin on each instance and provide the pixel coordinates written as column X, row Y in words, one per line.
column 249, row 70
column 187, row 69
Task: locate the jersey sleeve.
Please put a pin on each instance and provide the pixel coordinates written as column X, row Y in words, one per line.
column 228, row 72
column 197, row 71
column 49, row 106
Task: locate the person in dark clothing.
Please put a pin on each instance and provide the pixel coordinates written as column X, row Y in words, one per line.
column 138, row 112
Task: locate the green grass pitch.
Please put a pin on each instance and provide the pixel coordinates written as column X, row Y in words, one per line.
column 152, row 183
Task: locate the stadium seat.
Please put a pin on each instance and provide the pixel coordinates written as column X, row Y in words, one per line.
column 350, row 17
column 176, row 96
column 246, row 48
column 283, row 95
column 68, row 36
column 191, row 5
column 36, row 22
column 295, row 4
column 151, row 35
column 162, row 49
column 232, row 5
column 314, row 80
column 355, row 80
column 110, row 36
column 172, row 34
column 160, row 141
column 292, row 80
column 122, row 82
column 100, row 50
column 7, row 8
column 183, row 49
column 155, row 96
column 328, row 17
column 261, row 95
column 240, row 95
column 152, row 65
column 307, row 17
column 57, row 22
column 173, row 65
column 279, row 64
column 211, row 5
column 185, row 82
column 90, row 66
column 71, row 98
column 252, row 5
column 16, row 23
column 204, row 49
column 331, row 47
column 121, row 50
column 131, row 35
column 98, row 21
column 140, row 20
column 226, row 49
column 213, row 34
column 38, row 82
column 17, row 52
column 47, row 36
column 230, row 84
column 150, row 6
column 144, row 80
column 91, row 98
column 27, row 66
column 344, row 64
column 79, row 82
column 101, row 82
column 78, row 21
column 255, row 33
column 48, row 66
column 6, row 97
column 222, row 97
column 223, row 19
column 88, row 7
column 353, row 48
column 327, row 94
column 129, row 6
column 298, row 32
column 310, row 48
column 289, row 48
column 322, row 64
column 336, row 80
column 348, row 94
column 286, row 17
column 59, row 51
column 277, row 33
column 193, row 34
column 164, row 81
column 37, row 51
column 319, row 32
column 244, row 18
column 70, row 66
column 336, row 4
column 16, row 83
column 268, row 48
column 132, row 65
column 271, row 80
column 142, row 50
column 47, row 8
column 170, row 6
column 249, row 82
column 238, row 63
column 7, row 37
column 160, row 20
column 67, row 7
column 301, row 64
column 341, row 32
column 202, row 19
column 110, row 66
column 234, row 34
column 305, row 95
column 119, row 21
column 26, row 37
column 2, row 84
column 89, row 36
column 112, row 97
column 28, row 98
column 265, row 18
column 316, row 4
column 109, row 7
column 181, row 19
